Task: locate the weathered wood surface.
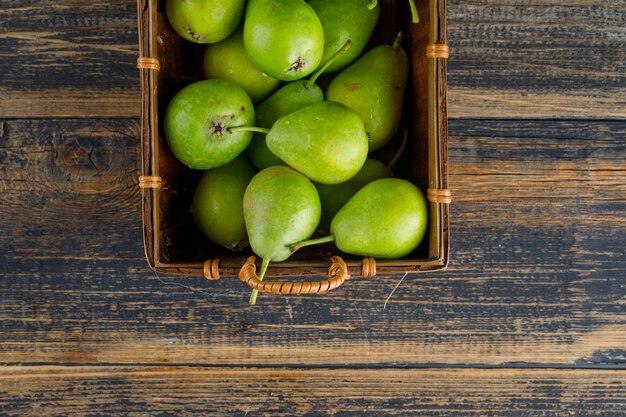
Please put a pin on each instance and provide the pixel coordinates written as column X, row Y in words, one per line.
column 75, row 59
column 537, row 271
column 537, row 58
column 538, row 241
column 84, row 390
column 509, row 59
column 68, row 188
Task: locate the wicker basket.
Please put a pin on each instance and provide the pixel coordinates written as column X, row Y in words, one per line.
column 173, row 245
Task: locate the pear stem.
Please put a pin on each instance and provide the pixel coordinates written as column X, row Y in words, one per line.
column 248, row 129
column 372, row 5
column 415, row 16
column 310, row 242
column 329, row 61
column 264, row 264
column 398, row 41
column 405, row 138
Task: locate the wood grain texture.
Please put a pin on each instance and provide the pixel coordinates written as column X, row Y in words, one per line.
column 536, row 59
column 536, row 283
column 536, row 276
column 76, row 59
column 135, row 391
column 66, row 187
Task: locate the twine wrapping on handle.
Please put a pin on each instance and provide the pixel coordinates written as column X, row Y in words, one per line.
column 211, row 269
column 149, row 181
column 438, row 195
column 337, row 275
column 437, row 50
column 369, row 267
column 145, row 62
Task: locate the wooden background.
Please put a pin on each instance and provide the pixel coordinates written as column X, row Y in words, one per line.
column 530, row 318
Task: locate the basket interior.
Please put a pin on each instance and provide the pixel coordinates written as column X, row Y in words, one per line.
column 180, row 242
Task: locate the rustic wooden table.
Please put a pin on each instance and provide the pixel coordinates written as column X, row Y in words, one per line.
column 530, row 318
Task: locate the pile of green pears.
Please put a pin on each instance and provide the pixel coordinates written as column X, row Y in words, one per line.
column 283, row 159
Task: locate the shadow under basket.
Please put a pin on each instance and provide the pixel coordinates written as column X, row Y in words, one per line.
column 172, row 242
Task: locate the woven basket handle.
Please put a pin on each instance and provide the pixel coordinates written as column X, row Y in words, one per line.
column 337, row 274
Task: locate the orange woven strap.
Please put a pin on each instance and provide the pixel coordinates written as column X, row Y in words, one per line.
column 369, row 267
column 148, row 63
column 437, row 50
column 149, row 181
column 437, row 195
column 337, row 274
column 211, row 269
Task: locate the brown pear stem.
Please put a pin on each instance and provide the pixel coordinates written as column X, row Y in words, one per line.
column 329, row 61
column 372, row 5
column 405, row 138
column 248, row 129
column 398, row 40
column 264, row 264
column 415, row 16
column 310, row 242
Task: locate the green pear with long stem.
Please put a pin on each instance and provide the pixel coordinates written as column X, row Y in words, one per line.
column 280, row 206
column 386, row 219
column 325, row 141
column 346, row 20
column 284, row 38
column 373, row 86
column 291, row 97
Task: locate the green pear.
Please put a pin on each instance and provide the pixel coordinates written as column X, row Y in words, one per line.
column 217, row 205
column 386, row 219
column 280, row 207
column 345, row 20
column 198, row 120
column 284, row 38
column 227, row 60
column 291, row 97
column 373, row 86
column 325, row 141
column 335, row 196
column 204, row 21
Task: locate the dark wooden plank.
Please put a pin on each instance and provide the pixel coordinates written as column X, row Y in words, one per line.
column 78, row 391
column 536, row 276
column 92, row 312
column 68, row 59
column 539, row 58
column 69, row 188
column 508, row 59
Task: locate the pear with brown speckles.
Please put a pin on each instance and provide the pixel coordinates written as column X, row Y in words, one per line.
column 284, row 38
column 325, row 141
column 204, row 21
column 199, row 119
column 280, row 207
column 373, row 86
column 386, row 219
